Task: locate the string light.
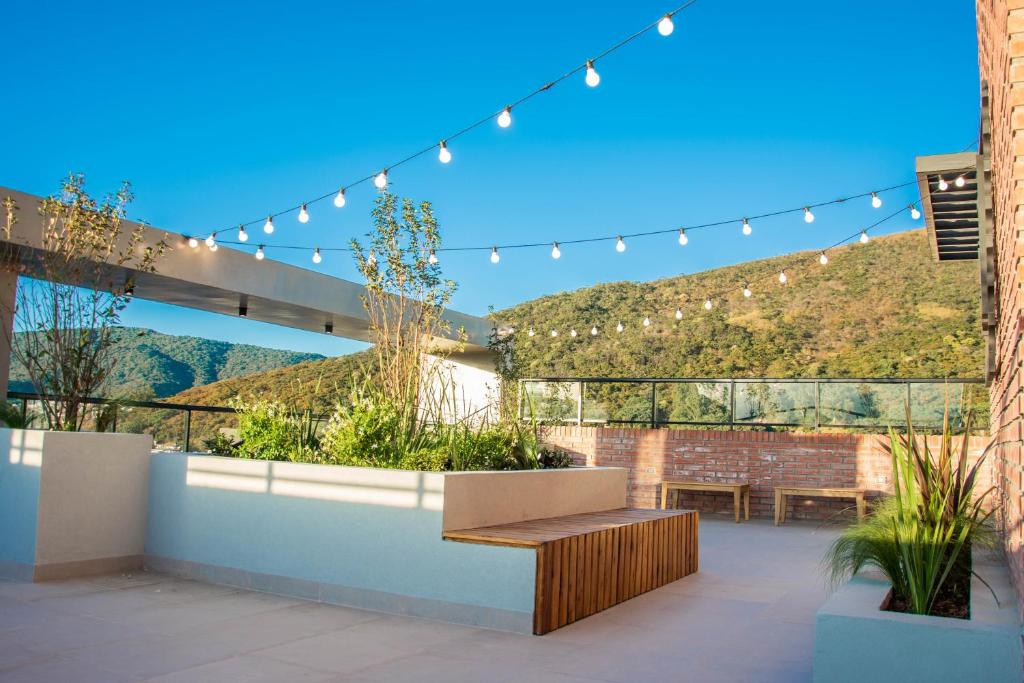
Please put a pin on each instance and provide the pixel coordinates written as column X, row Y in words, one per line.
column 339, row 199
column 593, row 331
column 746, row 291
column 530, row 332
column 556, row 253
column 619, row 328
column 371, row 260
column 432, row 259
column 876, row 201
column 494, row 255
column 620, row 244
column 268, row 227
column 214, row 247
column 679, row 314
column 317, row 258
column 960, row 181
column 243, row 236
column 260, row 254
column 823, row 259
column 746, row 227
column 380, row 181
column 505, row 117
column 647, row 322
column 303, row 214
column 683, row 239
column 864, row 239
column 554, row 333
column 592, row 78
column 665, row 26
column 914, row 213
column 943, row 185
column 808, row 216
column 193, row 242
column 572, row 333
column 443, row 154
column 708, row 305
column 211, row 240
column 782, row 277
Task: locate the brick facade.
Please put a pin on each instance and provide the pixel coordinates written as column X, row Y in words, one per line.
column 1001, row 62
column 764, row 459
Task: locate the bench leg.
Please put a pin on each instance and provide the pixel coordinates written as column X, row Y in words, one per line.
column 861, row 507
column 746, row 506
column 664, row 495
column 777, row 507
column 737, row 498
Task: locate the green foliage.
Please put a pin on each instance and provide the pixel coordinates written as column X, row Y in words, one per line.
column 10, row 416
column 220, row 444
column 921, row 536
column 268, row 430
column 551, row 459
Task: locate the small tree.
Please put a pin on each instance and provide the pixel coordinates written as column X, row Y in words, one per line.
column 405, row 297
column 70, row 297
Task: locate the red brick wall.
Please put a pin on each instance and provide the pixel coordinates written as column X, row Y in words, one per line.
column 1001, row 61
column 763, row 459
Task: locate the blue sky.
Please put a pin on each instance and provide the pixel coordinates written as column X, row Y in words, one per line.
column 221, row 113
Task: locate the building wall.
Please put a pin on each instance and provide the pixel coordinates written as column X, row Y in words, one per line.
column 1001, row 63
column 763, row 459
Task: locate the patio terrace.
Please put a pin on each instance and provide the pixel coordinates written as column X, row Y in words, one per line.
column 748, row 614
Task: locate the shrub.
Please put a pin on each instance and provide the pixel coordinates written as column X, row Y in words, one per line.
column 269, row 431
column 552, row 459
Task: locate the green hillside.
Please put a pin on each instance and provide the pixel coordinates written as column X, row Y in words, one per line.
column 154, row 365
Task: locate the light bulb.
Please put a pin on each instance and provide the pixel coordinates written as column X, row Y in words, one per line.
column 303, row 214
column 808, row 216
column 665, row 26
column 592, row 78
column 443, row 154
column 620, row 245
column 530, row 332
column 193, row 242
column 782, row 277
column 943, row 185
column 683, row 239
column 494, row 255
column 505, row 117
column 259, row 253
column 316, row 255
column 864, row 239
column 876, row 201
column 380, row 181
column 619, row 328
column 214, row 247
column 914, row 213
column 554, row 333
column 339, row 199
column 572, row 332
column 268, row 227
column 647, row 322
column 707, row 305
column 746, row 227
column 823, row 259
column 746, row 291
column 593, row 331
column 371, row 260
column 960, row 181
column 555, row 251
column 210, row 241
column 243, row 236
column 432, row 258
column 679, row 314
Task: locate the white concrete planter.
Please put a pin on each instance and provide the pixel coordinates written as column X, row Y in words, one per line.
column 71, row 503
column 855, row 640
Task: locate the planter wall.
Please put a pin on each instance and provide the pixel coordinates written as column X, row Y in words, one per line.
column 368, row 538
column 71, row 504
column 857, row 641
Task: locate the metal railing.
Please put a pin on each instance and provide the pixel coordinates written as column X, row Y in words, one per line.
column 121, row 407
column 751, row 403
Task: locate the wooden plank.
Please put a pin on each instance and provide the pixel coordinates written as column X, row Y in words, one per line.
column 555, row 550
column 538, row 594
column 570, row 594
column 563, row 596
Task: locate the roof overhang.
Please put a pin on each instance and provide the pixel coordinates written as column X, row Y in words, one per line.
column 228, row 279
column 951, row 214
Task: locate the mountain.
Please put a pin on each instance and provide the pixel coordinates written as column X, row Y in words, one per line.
column 882, row 309
column 155, row 365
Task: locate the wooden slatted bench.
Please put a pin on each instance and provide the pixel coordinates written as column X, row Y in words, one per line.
column 782, row 492
column 740, row 492
column 589, row 562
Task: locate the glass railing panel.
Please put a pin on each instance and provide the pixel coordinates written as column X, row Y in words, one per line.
column 699, row 402
column 617, row 402
column 782, row 403
column 862, row 404
column 550, row 401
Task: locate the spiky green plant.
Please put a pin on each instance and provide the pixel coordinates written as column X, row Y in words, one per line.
column 922, row 534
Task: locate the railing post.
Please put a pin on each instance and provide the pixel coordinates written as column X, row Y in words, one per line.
column 654, row 405
column 115, row 419
column 732, row 404
column 24, row 410
column 579, row 403
column 817, row 406
column 188, row 431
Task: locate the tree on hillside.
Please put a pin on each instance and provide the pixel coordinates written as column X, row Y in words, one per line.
column 69, row 301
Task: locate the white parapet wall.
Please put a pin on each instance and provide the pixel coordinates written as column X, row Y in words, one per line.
column 368, row 538
column 72, row 504
column 460, row 391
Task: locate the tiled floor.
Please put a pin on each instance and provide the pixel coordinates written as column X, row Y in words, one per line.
column 747, row 615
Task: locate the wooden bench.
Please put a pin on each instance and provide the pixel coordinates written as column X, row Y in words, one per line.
column 782, row 492
column 589, row 562
column 740, row 492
